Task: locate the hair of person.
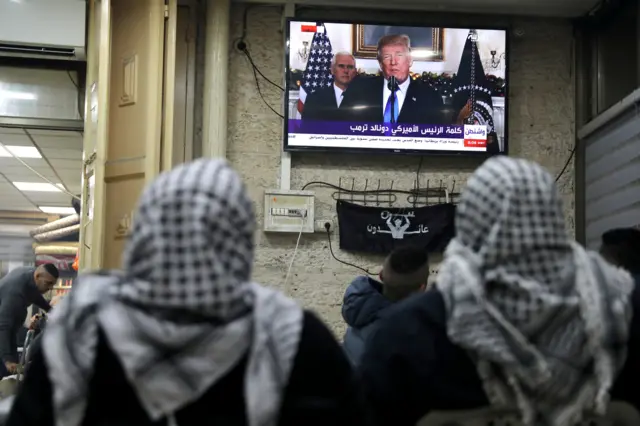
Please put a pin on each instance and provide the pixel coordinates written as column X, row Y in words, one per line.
column 342, row 53
column 404, row 272
column 622, row 247
column 393, row 40
column 51, row 270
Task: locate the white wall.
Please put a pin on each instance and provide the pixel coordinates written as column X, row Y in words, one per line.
column 341, row 36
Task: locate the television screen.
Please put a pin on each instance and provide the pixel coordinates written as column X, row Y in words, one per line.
column 364, row 87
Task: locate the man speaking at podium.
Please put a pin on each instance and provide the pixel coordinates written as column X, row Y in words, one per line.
column 393, row 97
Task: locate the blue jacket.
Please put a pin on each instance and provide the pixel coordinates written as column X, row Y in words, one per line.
column 362, row 307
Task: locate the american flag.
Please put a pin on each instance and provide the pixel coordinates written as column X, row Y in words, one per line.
column 317, row 73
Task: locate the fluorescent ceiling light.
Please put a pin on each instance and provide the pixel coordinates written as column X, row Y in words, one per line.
column 22, row 96
column 65, row 211
column 37, row 186
column 20, row 151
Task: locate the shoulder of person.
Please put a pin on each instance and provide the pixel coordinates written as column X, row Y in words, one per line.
column 365, row 81
column 18, row 272
column 415, row 314
column 424, row 88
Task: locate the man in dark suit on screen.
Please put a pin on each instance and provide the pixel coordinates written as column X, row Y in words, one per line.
column 324, row 104
column 370, row 100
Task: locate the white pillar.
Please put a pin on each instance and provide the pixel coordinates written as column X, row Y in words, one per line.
column 216, row 70
column 285, row 157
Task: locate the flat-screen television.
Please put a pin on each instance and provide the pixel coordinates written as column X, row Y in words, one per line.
column 402, row 89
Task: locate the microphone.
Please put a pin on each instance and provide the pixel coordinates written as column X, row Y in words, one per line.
column 392, row 84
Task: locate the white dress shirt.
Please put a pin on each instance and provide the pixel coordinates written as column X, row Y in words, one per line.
column 401, row 94
column 339, row 92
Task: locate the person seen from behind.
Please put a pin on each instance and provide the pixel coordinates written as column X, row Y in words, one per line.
column 19, row 289
column 621, row 247
column 520, row 316
column 183, row 334
column 405, row 272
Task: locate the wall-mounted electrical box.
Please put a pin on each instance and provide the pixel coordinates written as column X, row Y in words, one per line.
column 288, row 211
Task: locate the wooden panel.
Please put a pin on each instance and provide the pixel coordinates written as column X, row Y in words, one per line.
column 137, row 47
column 135, row 116
column 121, row 199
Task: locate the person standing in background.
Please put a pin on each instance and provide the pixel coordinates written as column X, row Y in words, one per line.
column 405, row 272
column 20, row 289
column 520, row 315
column 324, row 103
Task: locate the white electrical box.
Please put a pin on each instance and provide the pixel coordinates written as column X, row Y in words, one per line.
column 288, row 211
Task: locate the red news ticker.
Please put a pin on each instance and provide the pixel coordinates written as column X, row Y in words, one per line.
column 309, row 28
column 475, row 143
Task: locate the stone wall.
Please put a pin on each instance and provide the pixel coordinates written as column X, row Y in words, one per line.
column 541, row 128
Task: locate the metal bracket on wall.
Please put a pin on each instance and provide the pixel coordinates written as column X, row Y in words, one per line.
column 432, row 195
column 372, row 195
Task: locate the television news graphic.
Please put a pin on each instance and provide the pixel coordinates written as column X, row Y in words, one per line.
column 373, row 87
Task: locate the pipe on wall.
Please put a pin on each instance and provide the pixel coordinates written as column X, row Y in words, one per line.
column 216, row 70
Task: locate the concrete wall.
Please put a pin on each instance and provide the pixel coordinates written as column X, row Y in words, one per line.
column 541, row 128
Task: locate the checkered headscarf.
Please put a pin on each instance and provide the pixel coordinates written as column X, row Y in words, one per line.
column 184, row 312
column 545, row 321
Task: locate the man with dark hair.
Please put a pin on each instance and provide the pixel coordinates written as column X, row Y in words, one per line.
column 621, row 247
column 19, row 289
column 405, row 272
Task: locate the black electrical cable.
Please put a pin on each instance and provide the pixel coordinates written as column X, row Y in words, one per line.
column 327, row 226
column 255, row 76
column 256, row 69
column 564, row 169
column 241, row 45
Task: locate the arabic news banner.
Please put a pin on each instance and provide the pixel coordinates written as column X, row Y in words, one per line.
column 474, row 136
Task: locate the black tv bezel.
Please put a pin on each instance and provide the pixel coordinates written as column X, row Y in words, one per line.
column 419, row 152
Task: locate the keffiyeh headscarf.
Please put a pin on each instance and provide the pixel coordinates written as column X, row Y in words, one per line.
column 184, row 312
column 545, row 321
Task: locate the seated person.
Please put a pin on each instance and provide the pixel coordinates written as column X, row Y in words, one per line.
column 185, row 329
column 621, row 247
column 405, row 272
column 521, row 316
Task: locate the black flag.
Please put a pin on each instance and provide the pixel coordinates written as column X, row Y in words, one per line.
column 471, row 85
column 381, row 229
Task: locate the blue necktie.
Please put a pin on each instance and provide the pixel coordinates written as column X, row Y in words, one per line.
column 387, row 110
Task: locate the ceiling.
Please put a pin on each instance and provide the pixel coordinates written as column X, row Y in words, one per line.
column 550, row 8
column 61, row 163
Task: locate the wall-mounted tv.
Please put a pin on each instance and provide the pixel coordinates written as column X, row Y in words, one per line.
column 407, row 89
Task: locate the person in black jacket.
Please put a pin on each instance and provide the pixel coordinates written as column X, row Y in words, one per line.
column 19, row 289
column 184, row 335
column 521, row 315
column 368, row 99
column 324, row 103
column 621, row 247
column 405, row 272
